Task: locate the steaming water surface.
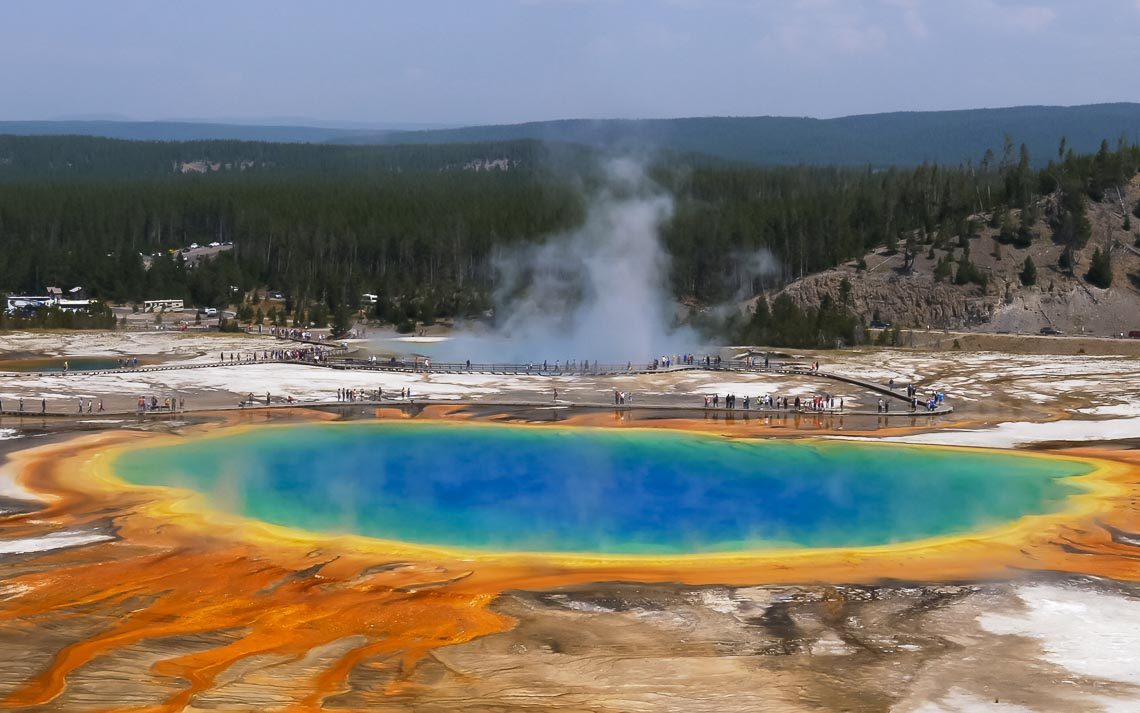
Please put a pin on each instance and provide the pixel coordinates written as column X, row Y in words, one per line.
column 628, row 491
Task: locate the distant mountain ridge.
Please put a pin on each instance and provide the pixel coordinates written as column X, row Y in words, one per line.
column 188, row 131
column 898, row 138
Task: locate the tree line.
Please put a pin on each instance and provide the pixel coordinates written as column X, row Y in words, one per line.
column 420, row 229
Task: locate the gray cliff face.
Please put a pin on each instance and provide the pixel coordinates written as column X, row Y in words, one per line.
column 905, row 300
column 907, row 293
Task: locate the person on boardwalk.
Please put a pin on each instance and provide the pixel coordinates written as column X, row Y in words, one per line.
column 43, row 405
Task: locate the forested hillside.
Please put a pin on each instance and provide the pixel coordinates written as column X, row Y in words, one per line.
column 23, row 157
column 422, row 230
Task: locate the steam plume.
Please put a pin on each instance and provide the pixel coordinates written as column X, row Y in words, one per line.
column 597, row 292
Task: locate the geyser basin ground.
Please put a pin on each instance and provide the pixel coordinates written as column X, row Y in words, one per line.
column 605, row 491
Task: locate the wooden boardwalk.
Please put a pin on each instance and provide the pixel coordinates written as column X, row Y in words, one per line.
column 787, row 368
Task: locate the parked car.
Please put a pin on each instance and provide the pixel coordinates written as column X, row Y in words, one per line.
column 208, row 311
column 1134, row 334
column 879, row 324
column 1050, row 332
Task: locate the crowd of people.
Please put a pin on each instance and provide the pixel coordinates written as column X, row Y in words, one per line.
column 667, row 361
column 376, row 394
column 931, row 403
column 169, row 404
column 818, row 402
column 309, row 353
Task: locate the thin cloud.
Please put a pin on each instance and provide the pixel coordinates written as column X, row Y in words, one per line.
column 1013, row 17
column 912, row 17
column 824, row 27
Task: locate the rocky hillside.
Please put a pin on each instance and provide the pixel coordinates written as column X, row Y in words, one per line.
column 922, row 296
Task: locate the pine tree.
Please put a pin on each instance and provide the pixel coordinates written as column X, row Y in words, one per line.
column 341, row 322
column 1028, row 272
column 1067, row 261
column 845, row 291
column 759, row 326
column 1100, row 269
column 943, row 270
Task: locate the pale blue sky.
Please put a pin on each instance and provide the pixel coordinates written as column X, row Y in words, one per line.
column 483, row 61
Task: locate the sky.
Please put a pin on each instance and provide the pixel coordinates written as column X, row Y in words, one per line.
column 454, row 62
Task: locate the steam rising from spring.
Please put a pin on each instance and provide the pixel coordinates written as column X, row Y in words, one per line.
column 597, row 292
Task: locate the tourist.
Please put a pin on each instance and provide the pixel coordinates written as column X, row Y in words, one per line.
column 100, row 405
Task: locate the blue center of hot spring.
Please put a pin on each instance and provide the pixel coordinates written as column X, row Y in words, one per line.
column 628, row 491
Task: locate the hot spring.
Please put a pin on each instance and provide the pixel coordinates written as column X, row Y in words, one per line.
column 606, row 491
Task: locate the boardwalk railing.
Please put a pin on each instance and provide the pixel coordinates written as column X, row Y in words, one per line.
column 559, row 369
